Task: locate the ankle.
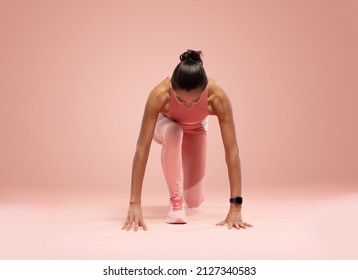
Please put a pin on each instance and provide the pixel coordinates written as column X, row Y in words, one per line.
column 177, row 202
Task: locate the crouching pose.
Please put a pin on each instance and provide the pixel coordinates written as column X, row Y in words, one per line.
column 176, row 117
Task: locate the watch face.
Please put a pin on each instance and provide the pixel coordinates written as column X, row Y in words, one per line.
column 236, row 200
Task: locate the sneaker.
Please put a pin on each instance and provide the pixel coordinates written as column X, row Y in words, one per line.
column 176, row 213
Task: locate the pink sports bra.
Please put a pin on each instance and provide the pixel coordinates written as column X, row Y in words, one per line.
column 193, row 120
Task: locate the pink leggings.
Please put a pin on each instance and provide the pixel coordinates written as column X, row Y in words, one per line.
column 183, row 160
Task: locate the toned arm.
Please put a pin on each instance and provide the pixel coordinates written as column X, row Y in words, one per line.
column 154, row 105
column 221, row 107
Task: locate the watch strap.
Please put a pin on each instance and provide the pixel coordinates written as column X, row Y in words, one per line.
column 236, row 200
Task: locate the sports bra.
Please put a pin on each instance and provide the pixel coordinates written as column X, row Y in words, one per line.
column 193, row 120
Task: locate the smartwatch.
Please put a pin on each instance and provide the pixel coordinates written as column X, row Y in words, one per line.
column 236, row 200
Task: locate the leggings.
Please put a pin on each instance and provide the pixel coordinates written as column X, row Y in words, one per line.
column 183, row 160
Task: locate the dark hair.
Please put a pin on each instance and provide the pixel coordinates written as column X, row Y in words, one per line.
column 189, row 73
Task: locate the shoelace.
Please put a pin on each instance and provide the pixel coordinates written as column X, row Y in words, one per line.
column 177, row 203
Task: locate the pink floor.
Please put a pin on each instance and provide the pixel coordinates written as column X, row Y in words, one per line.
column 304, row 226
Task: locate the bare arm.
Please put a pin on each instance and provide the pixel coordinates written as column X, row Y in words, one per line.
column 221, row 107
column 142, row 149
column 154, row 105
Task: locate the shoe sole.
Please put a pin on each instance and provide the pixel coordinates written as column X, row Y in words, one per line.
column 175, row 221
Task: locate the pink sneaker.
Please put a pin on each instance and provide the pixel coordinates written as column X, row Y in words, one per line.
column 176, row 213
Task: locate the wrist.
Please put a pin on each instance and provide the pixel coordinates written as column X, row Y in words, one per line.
column 235, row 203
column 235, row 207
column 135, row 202
column 236, row 200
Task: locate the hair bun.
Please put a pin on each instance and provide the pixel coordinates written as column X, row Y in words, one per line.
column 191, row 55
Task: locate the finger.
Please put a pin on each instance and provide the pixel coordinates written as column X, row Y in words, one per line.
column 237, row 226
column 124, row 225
column 230, row 225
column 144, row 226
column 129, row 225
column 242, row 225
column 135, row 227
column 221, row 223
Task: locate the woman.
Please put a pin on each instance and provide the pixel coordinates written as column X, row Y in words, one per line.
column 176, row 116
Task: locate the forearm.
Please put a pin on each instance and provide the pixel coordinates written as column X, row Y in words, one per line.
column 234, row 172
column 138, row 171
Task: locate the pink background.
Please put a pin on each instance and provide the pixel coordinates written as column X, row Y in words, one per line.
column 74, row 76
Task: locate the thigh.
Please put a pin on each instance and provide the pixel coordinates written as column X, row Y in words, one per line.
column 163, row 127
column 194, row 159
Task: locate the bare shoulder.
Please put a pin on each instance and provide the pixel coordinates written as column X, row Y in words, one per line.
column 218, row 101
column 159, row 96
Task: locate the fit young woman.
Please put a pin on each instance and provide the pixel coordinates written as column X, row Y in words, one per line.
column 176, row 116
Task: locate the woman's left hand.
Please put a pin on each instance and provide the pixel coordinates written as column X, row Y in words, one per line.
column 234, row 219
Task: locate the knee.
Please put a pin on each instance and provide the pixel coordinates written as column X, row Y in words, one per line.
column 194, row 203
column 173, row 133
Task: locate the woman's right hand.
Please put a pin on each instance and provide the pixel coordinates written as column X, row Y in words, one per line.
column 134, row 218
